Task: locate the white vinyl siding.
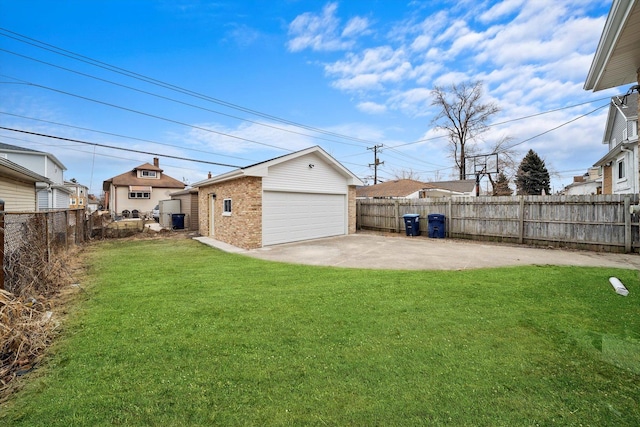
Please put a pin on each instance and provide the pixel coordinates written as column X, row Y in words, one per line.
column 297, row 175
column 18, row 196
column 290, row 217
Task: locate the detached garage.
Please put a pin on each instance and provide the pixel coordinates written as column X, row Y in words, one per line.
column 300, row 196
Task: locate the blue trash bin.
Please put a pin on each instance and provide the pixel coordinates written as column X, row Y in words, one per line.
column 436, row 226
column 177, row 221
column 412, row 224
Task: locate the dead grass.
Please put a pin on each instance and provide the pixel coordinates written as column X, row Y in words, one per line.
column 30, row 318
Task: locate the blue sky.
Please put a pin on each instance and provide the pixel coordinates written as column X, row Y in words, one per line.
column 238, row 82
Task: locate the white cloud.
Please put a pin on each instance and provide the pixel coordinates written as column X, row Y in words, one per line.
column 501, row 9
column 372, row 107
column 320, row 32
column 247, row 138
column 370, row 69
column 414, row 102
column 452, row 77
column 355, row 27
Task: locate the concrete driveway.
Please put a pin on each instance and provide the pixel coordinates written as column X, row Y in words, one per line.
column 396, row 251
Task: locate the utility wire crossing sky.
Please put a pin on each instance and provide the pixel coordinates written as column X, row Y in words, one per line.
column 209, row 86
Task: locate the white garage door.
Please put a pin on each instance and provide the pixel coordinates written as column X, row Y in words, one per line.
column 291, row 217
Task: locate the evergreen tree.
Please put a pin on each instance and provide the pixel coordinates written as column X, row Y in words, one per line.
column 532, row 176
column 501, row 186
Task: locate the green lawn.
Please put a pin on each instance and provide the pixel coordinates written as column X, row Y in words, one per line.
column 172, row 332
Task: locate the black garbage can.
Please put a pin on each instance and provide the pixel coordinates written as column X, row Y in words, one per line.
column 436, row 226
column 412, row 224
column 177, row 221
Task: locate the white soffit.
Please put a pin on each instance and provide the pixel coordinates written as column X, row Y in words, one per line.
column 617, row 58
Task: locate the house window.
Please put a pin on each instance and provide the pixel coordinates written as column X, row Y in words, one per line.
column 72, row 201
column 81, row 202
column 633, row 129
column 139, row 195
column 149, row 174
column 621, row 173
column 226, row 210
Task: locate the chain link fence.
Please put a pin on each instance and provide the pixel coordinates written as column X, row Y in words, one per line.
column 32, row 241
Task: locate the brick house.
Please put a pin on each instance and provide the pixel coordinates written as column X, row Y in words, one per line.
column 299, row 196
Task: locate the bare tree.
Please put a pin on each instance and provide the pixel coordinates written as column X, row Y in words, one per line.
column 407, row 174
column 462, row 116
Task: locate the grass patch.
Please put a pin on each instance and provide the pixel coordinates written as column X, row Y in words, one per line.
column 177, row 333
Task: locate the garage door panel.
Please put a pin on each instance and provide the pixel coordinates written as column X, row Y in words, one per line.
column 290, row 217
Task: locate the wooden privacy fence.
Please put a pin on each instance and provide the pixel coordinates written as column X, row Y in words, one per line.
column 597, row 222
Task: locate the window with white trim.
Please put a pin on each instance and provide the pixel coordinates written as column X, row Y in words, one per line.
column 72, row 201
column 81, row 202
column 139, row 195
column 226, row 207
column 148, row 174
column 633, row 129
column 621, row 171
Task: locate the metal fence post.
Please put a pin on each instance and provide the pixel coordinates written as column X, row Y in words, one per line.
column 1, row 244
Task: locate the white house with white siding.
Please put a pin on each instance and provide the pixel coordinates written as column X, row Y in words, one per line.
column 52, row 193
column 18, row 187
column 299, row 196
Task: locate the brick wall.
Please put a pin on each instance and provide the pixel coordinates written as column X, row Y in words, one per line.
column 243, row 228
column 607, row 180
column 351, row 200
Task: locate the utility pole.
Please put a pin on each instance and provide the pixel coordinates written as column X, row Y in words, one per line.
column 376, row 162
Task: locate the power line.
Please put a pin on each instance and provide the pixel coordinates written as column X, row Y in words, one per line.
column 119, row 148
column 68, row 147
column 510, row 120
column 122, row 136
column 96, row 63
column 166, row 98
column 108, row 104
column 552, row 129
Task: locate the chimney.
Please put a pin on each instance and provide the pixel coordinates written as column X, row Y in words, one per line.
column 156, row 162
column 209, row 176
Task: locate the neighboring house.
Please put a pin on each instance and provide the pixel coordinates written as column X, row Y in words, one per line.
column 79, row 197
column 616, row 63
column 458, row 188
column 189, row 206
column 135, row 193
column 51, row 194
column 620, row 165
column 93, row 204
column 300, row 196
column 412, row 189
column 396, row 189
column 587, row 184
column 18, row 187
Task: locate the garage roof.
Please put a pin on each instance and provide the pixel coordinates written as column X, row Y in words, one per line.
column 617, row 57
column 261, row 169
column 15, row 171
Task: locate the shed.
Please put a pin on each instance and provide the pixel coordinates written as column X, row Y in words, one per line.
column 299, row 196
column 189, row 206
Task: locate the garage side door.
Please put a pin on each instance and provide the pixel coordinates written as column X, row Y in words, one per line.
column 291, row 217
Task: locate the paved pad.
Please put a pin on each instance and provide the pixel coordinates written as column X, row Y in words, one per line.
column 396, row 251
